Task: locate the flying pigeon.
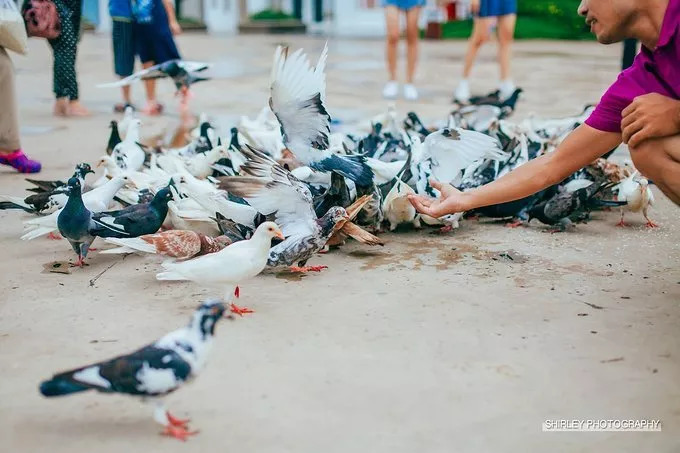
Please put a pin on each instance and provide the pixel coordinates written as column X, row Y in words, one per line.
column 271, row 189
column 230, row 266
column 178, row 244
column 298, row 94
column 151, row 372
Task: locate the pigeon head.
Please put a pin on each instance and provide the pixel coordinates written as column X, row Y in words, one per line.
column 163, row 196
column 269, row 230
column 172, row 68
column 334, row 219
column 83, row 169
column 113, row 124
column 223, row 240
column 73, row 185
column 206, row 316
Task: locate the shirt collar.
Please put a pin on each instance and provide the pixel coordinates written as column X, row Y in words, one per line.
column 670, row 23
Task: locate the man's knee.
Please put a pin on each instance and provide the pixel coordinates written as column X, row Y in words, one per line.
column 652, row 156
column 393, row 38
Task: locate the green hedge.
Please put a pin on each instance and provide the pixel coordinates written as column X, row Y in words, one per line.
column 536, row 19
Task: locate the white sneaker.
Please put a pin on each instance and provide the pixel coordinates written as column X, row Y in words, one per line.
column 391, row 90
column 462, row 93
column 506, row 89
column 410, row 92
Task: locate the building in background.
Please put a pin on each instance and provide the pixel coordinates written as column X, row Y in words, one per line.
column 359, row 18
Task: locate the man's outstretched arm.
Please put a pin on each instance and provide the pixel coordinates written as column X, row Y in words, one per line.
column 580, row 148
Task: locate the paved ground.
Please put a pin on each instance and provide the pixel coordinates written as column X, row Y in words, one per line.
column 430, row 344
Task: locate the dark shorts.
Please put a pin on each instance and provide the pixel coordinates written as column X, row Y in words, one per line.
column 123, row 48
column 495, row 8
column 404, row 5
column 155, row 44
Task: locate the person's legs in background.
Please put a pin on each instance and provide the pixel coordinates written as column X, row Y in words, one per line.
column 412, row 38
column 10, row 147
column 64, row 72
column 123, row 57
column 480, row 35
column 506, row 34
column 152, row 106
column 391, row 89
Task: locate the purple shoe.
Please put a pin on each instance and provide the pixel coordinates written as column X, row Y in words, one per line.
column 20, row 162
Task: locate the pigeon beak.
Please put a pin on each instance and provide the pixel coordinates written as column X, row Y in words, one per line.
column 280, row 235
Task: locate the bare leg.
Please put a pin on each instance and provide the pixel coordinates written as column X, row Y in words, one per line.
column 659, row 160
column 126, row 94
column 480, row 35
column 506, row 33
column 392, row 22
column 412, row 38
column 152, row 106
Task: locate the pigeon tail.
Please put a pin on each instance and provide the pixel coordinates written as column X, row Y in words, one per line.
column 11, row 205
column 60, row 387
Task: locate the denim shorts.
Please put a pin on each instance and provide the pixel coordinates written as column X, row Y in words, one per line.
column 496, row 8
column 404, row 5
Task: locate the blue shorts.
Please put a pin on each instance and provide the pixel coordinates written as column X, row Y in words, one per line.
column 495, row 8
column 404, row 5
column 155, row 44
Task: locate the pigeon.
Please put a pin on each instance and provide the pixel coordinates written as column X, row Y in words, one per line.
column 133, row 221
column 114, row 138
column 75, row 222
column 271, row 189
column 396, row 206
column 151, row 372
column 182, row 73
column 635, row 191
column 96, row 200
column 567, row 203
column 129, row 154
column 297, row 99
column 178, row 244
column 49, row 199
column 230, row 266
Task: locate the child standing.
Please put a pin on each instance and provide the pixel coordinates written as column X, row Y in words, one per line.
column 154, row 25
column 122, row 34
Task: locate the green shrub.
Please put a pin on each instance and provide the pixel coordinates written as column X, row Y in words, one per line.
column 270, row 14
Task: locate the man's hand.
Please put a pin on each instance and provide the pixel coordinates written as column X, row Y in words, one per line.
column 474, row 6
column 650, row 116
column 450, row 202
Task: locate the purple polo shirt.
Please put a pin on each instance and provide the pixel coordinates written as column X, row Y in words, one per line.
column 654, row 71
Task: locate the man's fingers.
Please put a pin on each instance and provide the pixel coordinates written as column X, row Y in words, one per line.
column 436, row 184
column 628, row 119
column 630, row 109
column 417, row 203
column 631, row 130
column 638, row 138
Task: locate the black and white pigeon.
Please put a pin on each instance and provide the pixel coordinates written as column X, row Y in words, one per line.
column 572, row 200
column 114, row 137
column 133, row 221
column 152, row 372
column 183, row 74
column 271, row 189
column 48, row 200
column 298, row 95
column 75, row 221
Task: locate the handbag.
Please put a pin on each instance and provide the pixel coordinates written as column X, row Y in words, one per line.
column 12, row 31
column 42, row 19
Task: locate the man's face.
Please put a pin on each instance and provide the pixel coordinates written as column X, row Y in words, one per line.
column 609, row 20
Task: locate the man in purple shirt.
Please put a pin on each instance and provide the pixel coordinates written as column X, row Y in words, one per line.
column 641, row 108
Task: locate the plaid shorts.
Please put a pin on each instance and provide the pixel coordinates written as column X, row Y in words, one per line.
column 123, row 47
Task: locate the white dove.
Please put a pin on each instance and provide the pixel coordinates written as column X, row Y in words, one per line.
column 636, row 192
column 128, row 154
column 227, row 268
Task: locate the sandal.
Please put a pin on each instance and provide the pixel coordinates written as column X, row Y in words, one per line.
column 153, row 109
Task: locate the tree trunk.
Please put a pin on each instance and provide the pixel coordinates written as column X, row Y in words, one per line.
column 243, row 10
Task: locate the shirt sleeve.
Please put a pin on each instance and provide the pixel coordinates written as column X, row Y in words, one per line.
column 607, row 115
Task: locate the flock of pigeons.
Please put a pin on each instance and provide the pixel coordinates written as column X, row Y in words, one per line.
column 283, row 188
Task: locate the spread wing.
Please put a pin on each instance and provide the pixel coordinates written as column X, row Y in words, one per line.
column 298, row 94
column 271, row 189
column 453, row 150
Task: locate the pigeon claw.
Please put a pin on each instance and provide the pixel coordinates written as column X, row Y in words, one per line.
column 54, row 236
column 178, row 432
column 305, row 269
column 651, row 224
column 174, row 421
column 237, row 292
column 444, row 230
column 515, row 224
column 240, row 310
